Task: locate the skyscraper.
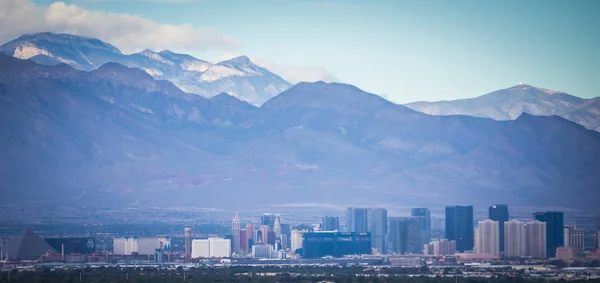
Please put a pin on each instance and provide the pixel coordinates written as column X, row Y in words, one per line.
column 277, row 228
column 514, row 239
column 296, row 239
column 269, row 219
column 405, row 235
column 499, row 212
column 377, row 220
column 555, row 225
column 236, row 227
column 356, row 220
column 459, row 226
column 264, row 234
column 187, row 234
column 285, row 235
column 425, row 224
column 535, row 236
column 330, row 223
column 488, row 238
column 249, row 237
column 574, row 238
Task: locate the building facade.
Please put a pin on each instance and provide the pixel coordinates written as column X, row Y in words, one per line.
column 459, row 227
column 440, row 247
column 330, row 223
column 425, row 224
column 499, row 212
column 555, row 225
column 378, row 227
column 297, row 239
column 335, row 244
column 514, row 239
column 236, row 230
column 269, row 219
column 574, row 238
column 357, row 220
column 405, row 235
column 487, row 240
column 200, row 248
column 535, row 237
column 141, row 246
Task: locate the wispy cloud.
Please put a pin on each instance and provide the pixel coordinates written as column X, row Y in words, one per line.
column 128, row 32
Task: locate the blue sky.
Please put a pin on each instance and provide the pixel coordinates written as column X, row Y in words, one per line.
column 404, row 50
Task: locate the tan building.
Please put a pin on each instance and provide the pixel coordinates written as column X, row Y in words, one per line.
column 514, row 239
column 566, row 253
column 440, row 247
column 535, row 235
column 487, row 238
column 574, row 238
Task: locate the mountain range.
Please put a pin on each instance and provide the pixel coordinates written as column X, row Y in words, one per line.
column 510, row 103
column 115, row 135
column 238, row 77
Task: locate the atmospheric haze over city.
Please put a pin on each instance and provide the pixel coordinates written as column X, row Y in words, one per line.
column 299, row 141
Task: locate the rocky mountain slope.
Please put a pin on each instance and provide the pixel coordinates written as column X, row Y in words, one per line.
column 510, row 103
column 238, row 77
column 117, row 136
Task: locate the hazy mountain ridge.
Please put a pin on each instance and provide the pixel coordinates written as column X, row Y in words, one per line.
column 238, row 77
column 124, row 138
column 508, row 104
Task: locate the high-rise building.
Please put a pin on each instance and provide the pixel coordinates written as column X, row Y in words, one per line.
column 356, row 220
column 187, row 234
column 264, row 234
column 200, row 248
column 236, row 227
column 211, row 247
column 535, row 237
column 514, row 239
column 574, row 238
column 378, row 221
column 425, row 224
column 219, row 247
column 499, row 212
column 277, row 228
column 243, row 242
column 285, row 236
column 330, row 223
column 405, row 235
column 487, row 240
column 555, row 225
column 459, row 227
column 335, row 244
column 597, row 244
column 297, row 238
column 249, row 237
column 438, row 223
column 269, row 219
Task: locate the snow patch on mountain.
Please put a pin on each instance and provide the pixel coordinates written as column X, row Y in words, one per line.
column 153, row 72
column 28, row 50
column 195, row 66
column 155, row 56
column 218, row 72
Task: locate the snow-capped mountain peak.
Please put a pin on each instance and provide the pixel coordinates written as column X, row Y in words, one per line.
column 239, row 76
column 241, row 60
